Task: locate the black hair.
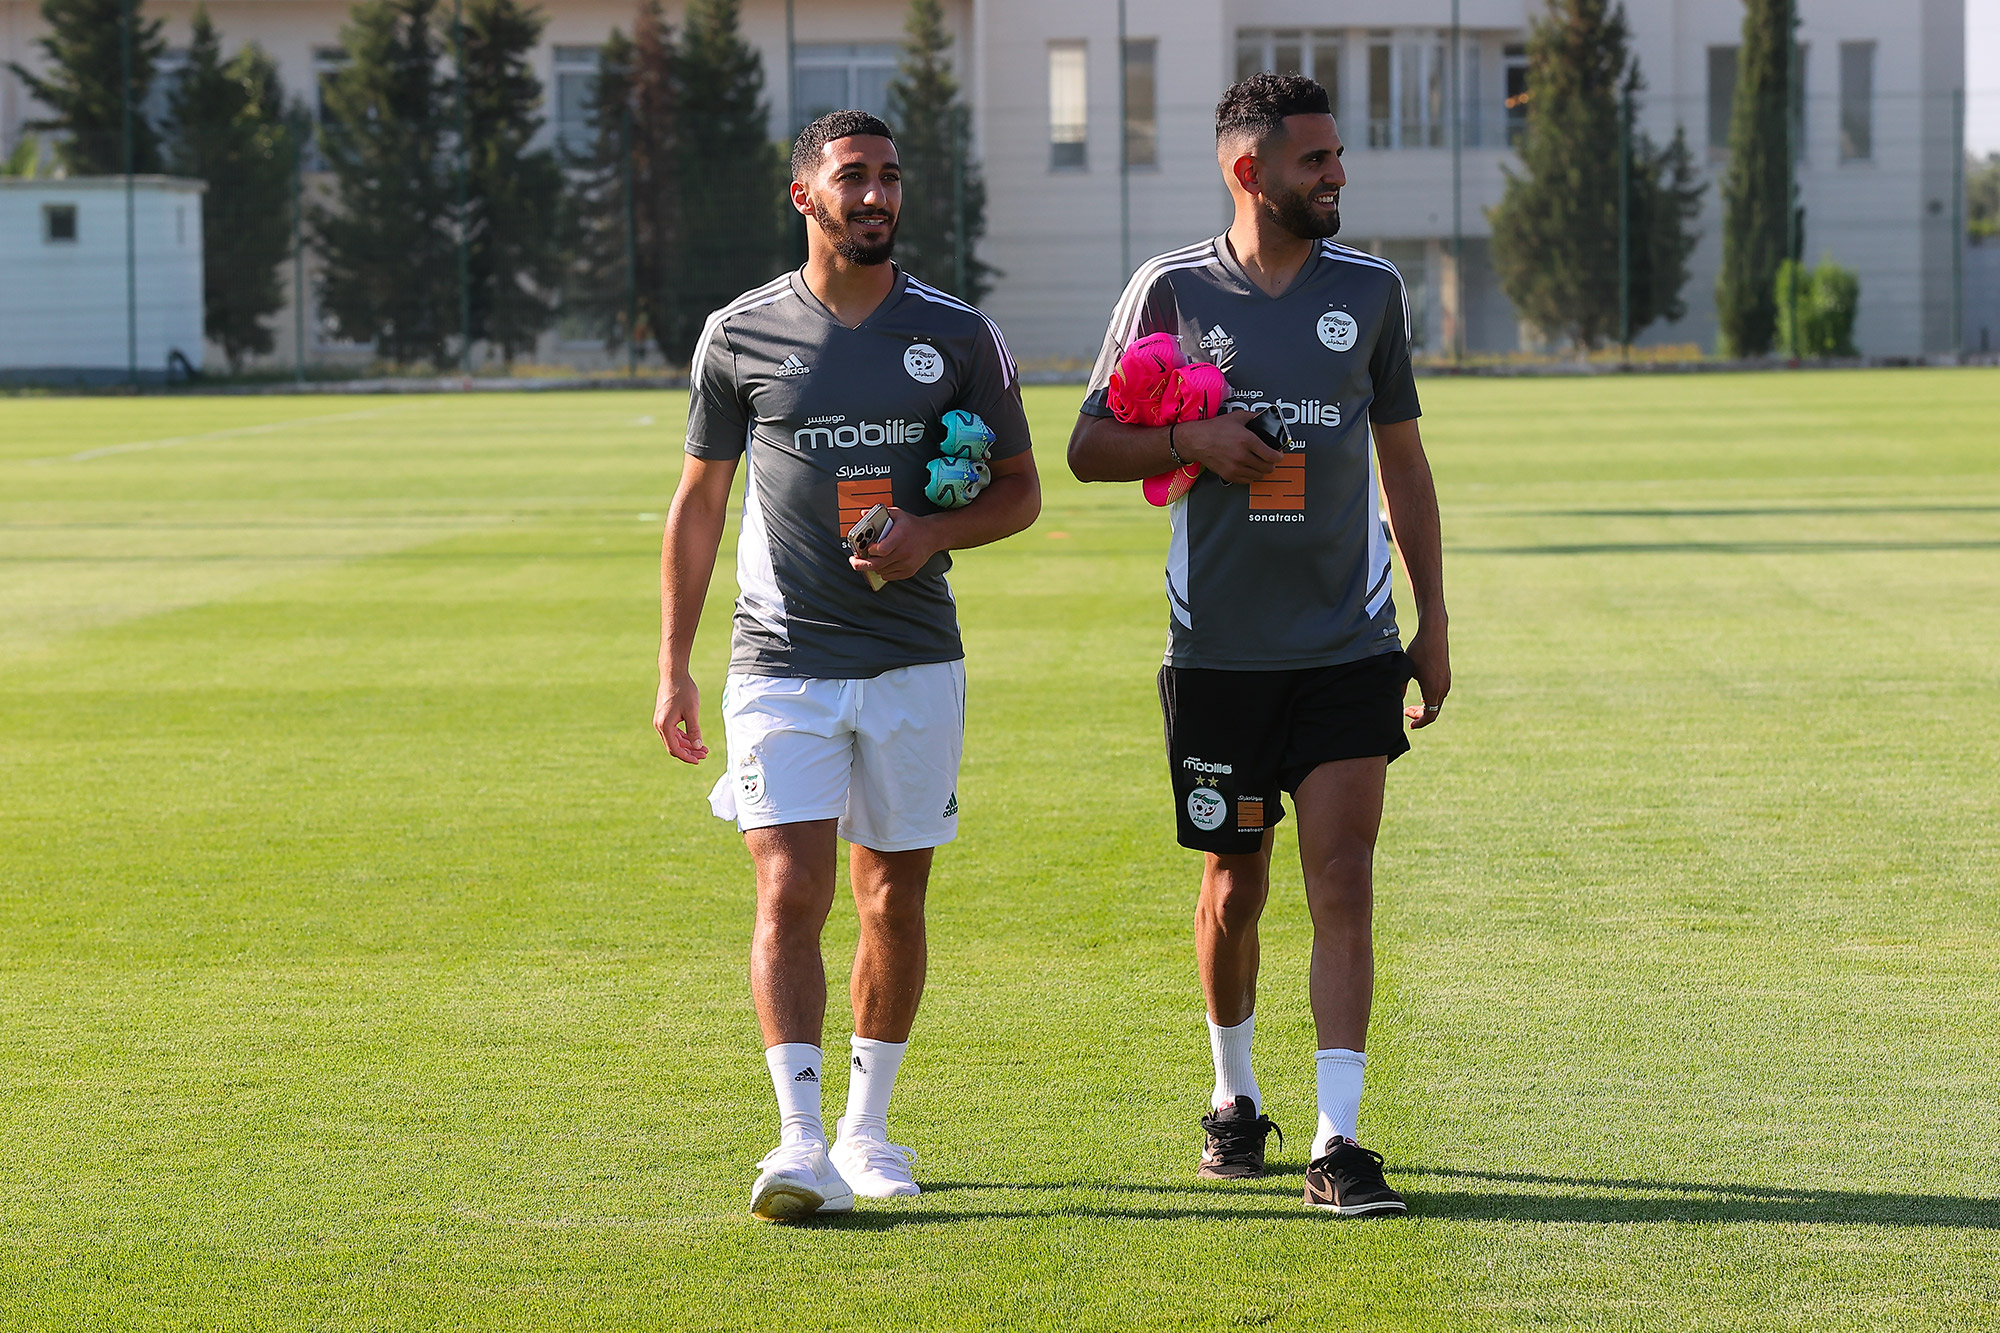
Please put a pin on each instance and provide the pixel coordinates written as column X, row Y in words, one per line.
column 833, row 125
column 1256, row 108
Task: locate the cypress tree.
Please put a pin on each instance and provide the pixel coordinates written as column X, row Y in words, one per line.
column 84, row 83
column 227, row 124
column 513, row 191
column 732, row 175
column 390, row 267
column 657, row 154
column 1555, row 230
column 1757, row 194
column 944, row 194
column 594, row 207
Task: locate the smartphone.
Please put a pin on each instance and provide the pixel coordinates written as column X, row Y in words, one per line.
column 1269, row 426
column 870, row 528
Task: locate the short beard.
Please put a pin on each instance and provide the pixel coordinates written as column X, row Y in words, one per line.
column 1296, row 214
column 849, row 246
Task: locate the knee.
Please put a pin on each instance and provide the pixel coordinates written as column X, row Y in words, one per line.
column 792, row 906
column 1232, row 902
column 890, row 909
column 1342, row 884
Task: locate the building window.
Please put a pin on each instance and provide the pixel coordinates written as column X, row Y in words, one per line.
column 1142, row 121
column 1313, row 53
column 1857, row 101
column 1514, row 65
column 1381, row 98
column 1068, row 108
column 836, row 76
column 1721, row 96
column 1409, row 91
column 59, row 222
column 575, row 78
column 327, row 62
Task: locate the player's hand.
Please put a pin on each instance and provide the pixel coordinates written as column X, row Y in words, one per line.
column 1224, row 445
column 676, row 716
column 907, row 549
column 1430, row 663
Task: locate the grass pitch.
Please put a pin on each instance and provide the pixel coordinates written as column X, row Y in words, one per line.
column 365, row 964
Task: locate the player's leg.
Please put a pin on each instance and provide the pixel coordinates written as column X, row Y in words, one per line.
column 902, row 805
column 1221, row 753
column 1339, row 808
column 790, row 758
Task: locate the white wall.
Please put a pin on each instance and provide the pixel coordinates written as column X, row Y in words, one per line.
column 63, row 303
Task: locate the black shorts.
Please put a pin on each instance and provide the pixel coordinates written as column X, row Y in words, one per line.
column 1235, row 738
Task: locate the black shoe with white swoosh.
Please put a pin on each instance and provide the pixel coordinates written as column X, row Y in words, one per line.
column 1348, row 1182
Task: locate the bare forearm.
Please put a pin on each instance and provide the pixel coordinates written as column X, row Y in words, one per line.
column 687, row 563
column 1413, row 519
column 1101, row 449
column 1009, row 504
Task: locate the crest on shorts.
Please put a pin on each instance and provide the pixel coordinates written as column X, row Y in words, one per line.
column 750, row 778
column 1206, row 808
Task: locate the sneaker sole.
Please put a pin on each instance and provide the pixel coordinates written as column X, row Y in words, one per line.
column 1382, row 1209
column 785, row 1201
column 1207, row 1173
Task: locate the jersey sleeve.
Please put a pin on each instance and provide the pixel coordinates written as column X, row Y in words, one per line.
column 993, row 391
column 1147, row 307
column 718, row 418
column 1389, row 368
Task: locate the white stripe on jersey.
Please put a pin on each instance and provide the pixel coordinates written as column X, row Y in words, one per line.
column 1126, row 312
column 936, row 297
column 757, row 581
column 1378, row 539
column 1334, row 250
column 774, row 290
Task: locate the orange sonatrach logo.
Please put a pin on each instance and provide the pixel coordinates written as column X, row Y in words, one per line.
column 1249, row 814
column 857, row 497
column 1285, row 488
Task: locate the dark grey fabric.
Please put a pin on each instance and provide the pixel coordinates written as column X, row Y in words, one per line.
column 1292, row 571
column 832, row 420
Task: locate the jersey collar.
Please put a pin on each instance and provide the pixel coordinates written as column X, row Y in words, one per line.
column 813, row 303
column 1227, row 259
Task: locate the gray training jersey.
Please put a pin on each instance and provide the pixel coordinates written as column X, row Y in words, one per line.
column 1293, row 570
column 831, row 421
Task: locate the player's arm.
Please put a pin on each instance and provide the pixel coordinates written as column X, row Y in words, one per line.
column 1009, row 503
column 1105, row 449
column 687, row 562
column 1413, row 521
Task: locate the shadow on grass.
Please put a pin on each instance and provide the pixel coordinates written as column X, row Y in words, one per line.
column 1551, row 1199
column 1729, row 548
column 1774, row 511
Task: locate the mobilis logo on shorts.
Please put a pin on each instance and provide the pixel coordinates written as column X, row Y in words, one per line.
column 834, row 433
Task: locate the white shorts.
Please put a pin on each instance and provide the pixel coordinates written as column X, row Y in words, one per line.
column 880, row 755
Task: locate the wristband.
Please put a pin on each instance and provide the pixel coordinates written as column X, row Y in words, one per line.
column 1178, row 460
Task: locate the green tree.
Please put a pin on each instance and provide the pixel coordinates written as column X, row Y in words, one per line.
column 630, row 178
column 227, row 124
column 944, row 193
column 731, row 174
column 1816, row 308
column 1982, row 197
column 389, row 263
column 85, row 82
column 513, row 191
column 1555, row 230
column 1758, row 196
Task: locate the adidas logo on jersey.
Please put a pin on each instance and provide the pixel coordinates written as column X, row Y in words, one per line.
column 1217, row 339
column 791, row 365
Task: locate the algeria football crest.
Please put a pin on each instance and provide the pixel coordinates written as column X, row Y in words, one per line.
column 1337, row 330
column 1206, row 807
column 924, row 363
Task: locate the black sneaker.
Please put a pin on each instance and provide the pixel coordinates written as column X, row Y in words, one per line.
column 1348, row 1181
column 1235, row 1146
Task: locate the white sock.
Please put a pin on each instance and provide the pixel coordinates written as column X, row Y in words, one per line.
column 1231, row 1048
column 1339, row 1096
column 795, row 1071
column 871, row 1078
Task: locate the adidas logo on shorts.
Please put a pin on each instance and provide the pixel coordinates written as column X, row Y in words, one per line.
column 950, row 807
column 791, row 365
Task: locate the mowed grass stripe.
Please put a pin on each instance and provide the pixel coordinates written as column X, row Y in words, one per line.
column 370, row 966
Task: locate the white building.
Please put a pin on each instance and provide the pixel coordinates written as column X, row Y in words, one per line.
column 1882, row 84
column 66, row 310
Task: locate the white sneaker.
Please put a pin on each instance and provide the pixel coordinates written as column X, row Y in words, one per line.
column 798, row 1180
column 874, row 1168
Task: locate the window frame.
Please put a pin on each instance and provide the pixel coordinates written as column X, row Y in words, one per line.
column 1069, row 140
column 851, row 60
column 1866, row 101
column 1142, row 131
column 61, row 208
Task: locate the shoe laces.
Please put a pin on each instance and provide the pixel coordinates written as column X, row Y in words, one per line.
column 799, row 1156
column 878, row 1154
column 1235, row 1135
column 1353, row 1160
